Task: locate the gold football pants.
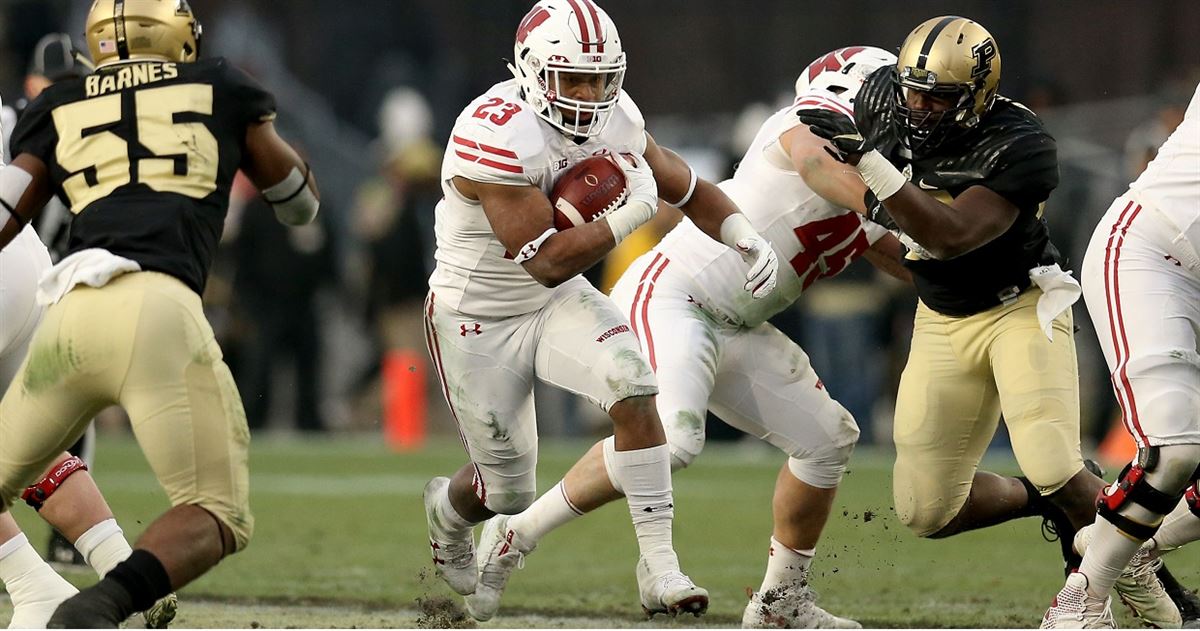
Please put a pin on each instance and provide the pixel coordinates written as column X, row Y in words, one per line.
column 962, row 373
column 141, row 342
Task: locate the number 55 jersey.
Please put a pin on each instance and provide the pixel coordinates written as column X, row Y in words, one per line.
column 814, row 237
column 144, row 154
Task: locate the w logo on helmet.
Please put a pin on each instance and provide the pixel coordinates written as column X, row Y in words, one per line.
column 985, row 53
column 532, row 20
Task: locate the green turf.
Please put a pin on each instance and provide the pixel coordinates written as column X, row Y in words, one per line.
column 340, row 530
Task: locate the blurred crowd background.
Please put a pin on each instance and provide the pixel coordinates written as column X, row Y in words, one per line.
column 322, row 324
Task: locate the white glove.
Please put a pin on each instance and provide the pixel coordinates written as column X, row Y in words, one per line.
column 642, row 202
column 638, row 178
column 737, row 233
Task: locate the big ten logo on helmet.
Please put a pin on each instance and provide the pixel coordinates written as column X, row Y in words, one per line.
column 591, row 59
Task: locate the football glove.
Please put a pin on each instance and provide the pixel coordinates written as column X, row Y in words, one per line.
column 764, row 265
column 841, row 132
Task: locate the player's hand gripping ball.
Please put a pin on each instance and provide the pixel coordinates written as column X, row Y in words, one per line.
column 588, row 191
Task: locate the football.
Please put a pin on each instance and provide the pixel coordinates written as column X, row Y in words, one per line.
column 587, row 191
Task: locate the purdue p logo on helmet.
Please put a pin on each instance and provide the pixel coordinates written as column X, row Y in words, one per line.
column 947, row 56
column 123, row 30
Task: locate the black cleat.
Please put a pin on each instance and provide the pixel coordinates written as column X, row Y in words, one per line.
column 1184, row 598
column 97, row 607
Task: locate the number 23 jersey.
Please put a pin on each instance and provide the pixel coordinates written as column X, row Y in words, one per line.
column 813, row 238
column 498, row 139
column 144, row 154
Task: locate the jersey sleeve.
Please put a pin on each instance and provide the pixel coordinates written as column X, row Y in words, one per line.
column 255, row 104
column 1026, row 173
column 482, row 150
column 35, row 132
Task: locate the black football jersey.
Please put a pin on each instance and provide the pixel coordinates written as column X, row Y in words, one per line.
column 144, row 155
column 1008, row 152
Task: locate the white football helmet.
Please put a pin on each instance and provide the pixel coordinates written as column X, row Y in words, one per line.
column 843, row 71
column 569, row 37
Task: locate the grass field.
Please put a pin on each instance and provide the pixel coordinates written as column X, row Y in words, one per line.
column 340, row 541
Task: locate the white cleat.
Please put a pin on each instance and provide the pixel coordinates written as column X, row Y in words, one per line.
column 453, row 555
column 502, row 553
column 160, row 615
column 34, row 614
column 1139, row 587
column 670, row 592
column 1074, row 608
column 791, row 606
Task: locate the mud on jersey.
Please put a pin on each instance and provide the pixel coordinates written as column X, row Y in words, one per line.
column 144, row 155
column 498, row 139
column 813, row 238
column 1008, row 152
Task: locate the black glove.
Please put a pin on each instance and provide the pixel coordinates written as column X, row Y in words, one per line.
column 877, row 213
column 840, row 130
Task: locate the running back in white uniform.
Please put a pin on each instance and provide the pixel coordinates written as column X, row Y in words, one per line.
column 709, row 342
column 498, row 140
column 1141, row 281
column 491, row 327
column 22, row 264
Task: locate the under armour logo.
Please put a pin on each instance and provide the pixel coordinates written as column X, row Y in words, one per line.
column 820, row 385
column 1174, row 261
column 475, row 331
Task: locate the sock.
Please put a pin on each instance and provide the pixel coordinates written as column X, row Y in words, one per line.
column 453, row 523
column 1036, row 505
column 1107, row 555
column 27, row 577
column 786, row 566
column 143, row 577
column 103, row 546
column 548, row 512
column 645, row 475
column 1180, row 527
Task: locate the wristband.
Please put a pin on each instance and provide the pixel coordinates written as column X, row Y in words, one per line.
column 624, row 220
column 881, row 177
column 688, row 195
column 530, row 250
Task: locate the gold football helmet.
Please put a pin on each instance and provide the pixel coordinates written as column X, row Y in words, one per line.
column 950, row 57
column 120, row 30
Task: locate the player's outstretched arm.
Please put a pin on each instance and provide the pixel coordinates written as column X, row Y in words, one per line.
column 24, row 191
column 714, row 213
column 283, row 177
column 522, row 219
column 837, row 182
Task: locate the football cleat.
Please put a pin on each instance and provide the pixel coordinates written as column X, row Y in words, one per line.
column 160, row 615
column 1139, row 587
column 1074, row 608
column 1185, row 599
column 670, row 592
column 33, row 614
column 791, row 606
column 453, row 555
column 502, row 554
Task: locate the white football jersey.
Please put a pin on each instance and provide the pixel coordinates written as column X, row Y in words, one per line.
column 498, row 140
column 812, row 237
column 1171, row 182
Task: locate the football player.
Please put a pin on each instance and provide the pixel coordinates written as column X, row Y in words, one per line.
column 963, row 173
column 144, row 152
column 1141, row 281
column 711, row 347
column 507, row 303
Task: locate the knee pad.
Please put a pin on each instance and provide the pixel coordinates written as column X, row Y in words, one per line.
column 1137, row 502
column 36, row 494
column 823, row 469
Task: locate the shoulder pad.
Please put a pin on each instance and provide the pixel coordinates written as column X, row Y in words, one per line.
column 627, row 127
column 497, row 138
